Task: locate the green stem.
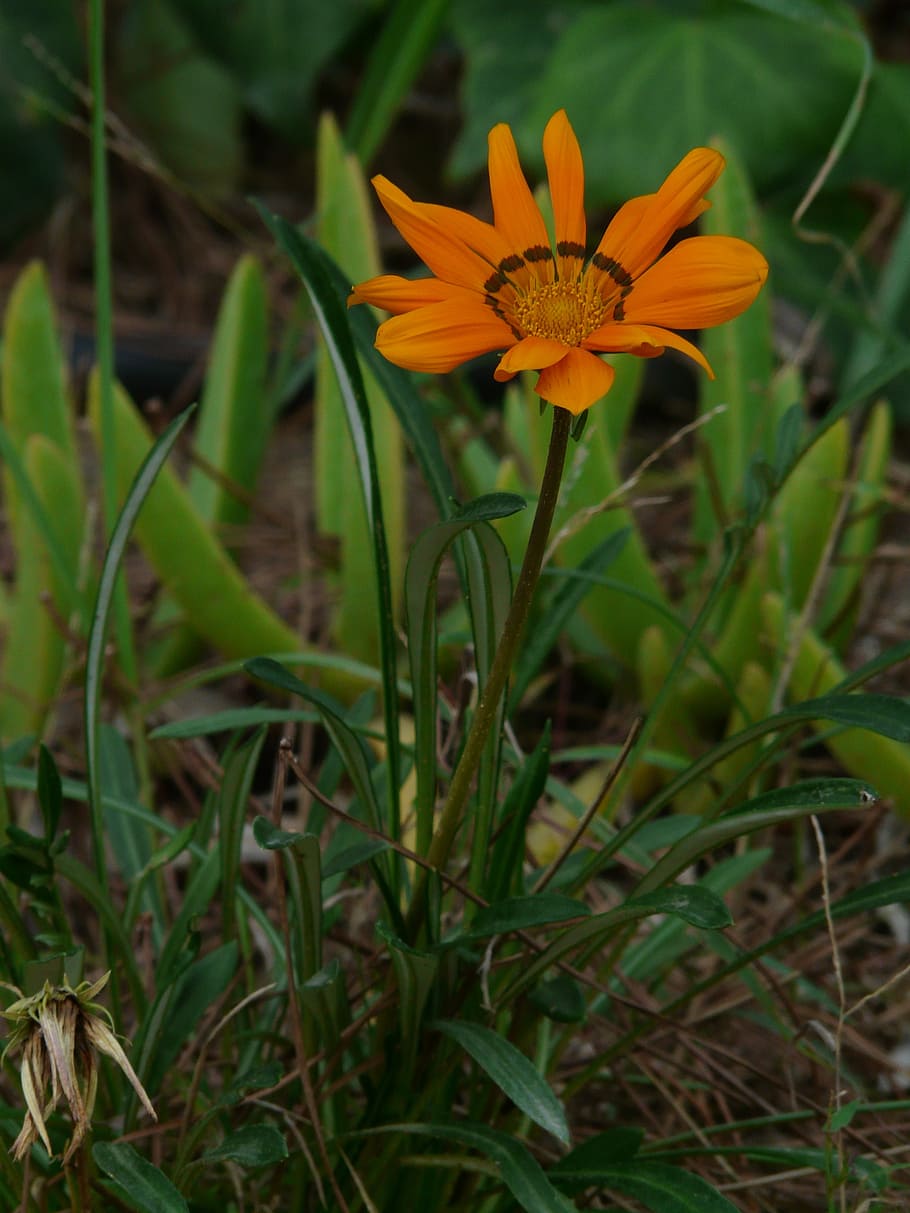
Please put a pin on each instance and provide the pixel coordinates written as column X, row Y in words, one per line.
column 485, row 715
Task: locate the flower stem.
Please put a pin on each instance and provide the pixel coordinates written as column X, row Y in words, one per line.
column 484, row 717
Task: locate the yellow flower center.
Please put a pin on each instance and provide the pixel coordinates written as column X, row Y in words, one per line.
column 562, row 311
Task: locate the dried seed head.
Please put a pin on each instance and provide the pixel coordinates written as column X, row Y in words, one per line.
column 61, row 1030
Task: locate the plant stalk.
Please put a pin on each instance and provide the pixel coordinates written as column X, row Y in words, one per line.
column 484, row 717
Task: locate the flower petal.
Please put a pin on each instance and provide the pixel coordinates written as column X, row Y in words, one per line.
column 482, row 237
column 643, row 340
column 447, row 256
column 529, row 354
column 515, row 213
column 700, row 282
column 643, row 226
column 566, row 175
column 443, row 335
column 576, row 381
column 397, row 295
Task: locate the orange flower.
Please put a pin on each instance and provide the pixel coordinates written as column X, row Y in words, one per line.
column 501, row 286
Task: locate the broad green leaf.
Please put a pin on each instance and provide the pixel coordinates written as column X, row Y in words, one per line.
column 511, row 1071
column 139, row 1183
column 250, row 1146
column 659, row 1187
column 522, row 913
column 694, row 904
column 519, row 1170
column 160, row 65
column 785, row 120
column 275, row 50
column 350, row 857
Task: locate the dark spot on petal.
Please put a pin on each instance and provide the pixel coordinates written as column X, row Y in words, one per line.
column 570, row 248
column 611, row 266
column 538, row 252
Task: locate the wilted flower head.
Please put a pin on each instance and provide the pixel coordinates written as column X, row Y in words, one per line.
column 503, row 287
column 60, row 1031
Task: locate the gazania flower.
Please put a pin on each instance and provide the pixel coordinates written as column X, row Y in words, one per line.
column 501, row 286
column 60, row 1030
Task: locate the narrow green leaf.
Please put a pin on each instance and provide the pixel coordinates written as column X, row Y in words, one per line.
column 659, row 1187
column 420, row 608
column 311, row 264
column 271, row 837
column 50, row 793
column 143, row 1186
column 504, row 870
column 348, row 744
column 408, row 34
column 511, row 1071
column 196, row 989
column 520, row 1171
column 521, row 913
column 232, row 426
column 416, row 973
column 94, row 661
column 350, row 857
column 250, row 1146
column 558, row 610
column 232, row 800
column 694, row 904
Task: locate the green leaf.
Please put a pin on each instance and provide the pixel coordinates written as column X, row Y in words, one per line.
column 558, row 609
column 560, row 999
column 250, row 1146
column 692, row 903
column 346, row 234
column 159, row 65
column 519, row 1170
column 196, row 989
column 659, row 1187
column 519, row 913
column 315, row 270
column 275, row 50
column 602, row 1150
column 348, row 744
column 504, row 869
column 215, row 597
column 271, row 837
column 350, row 857
column 50, row 793
column 511, row 1071
column 407, row 36
column 786, row 119
column 420, row 607
column 232, row 427
column 415, row 972
column 139, row 1182
column 231, row 802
